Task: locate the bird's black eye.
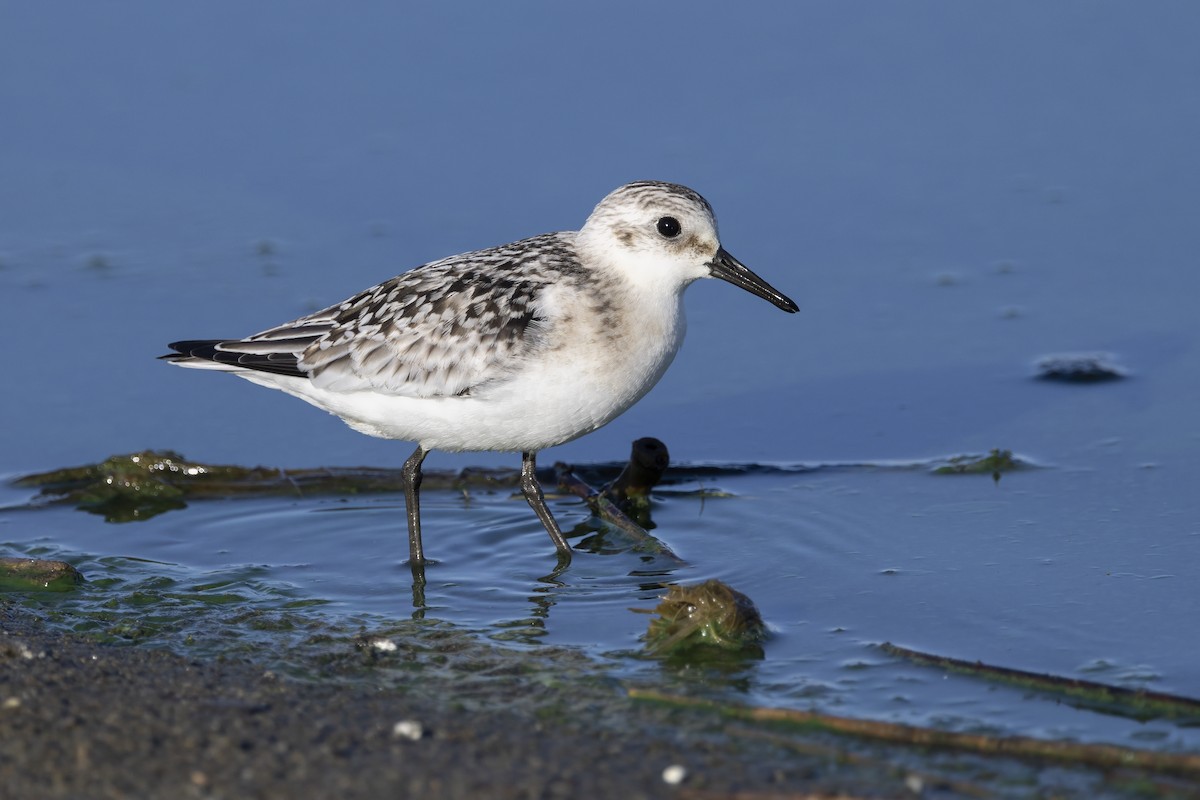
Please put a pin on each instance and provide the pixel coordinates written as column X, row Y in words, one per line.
column 669, row 227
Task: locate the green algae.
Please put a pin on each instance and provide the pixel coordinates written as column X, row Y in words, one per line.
column 700, row 618
column 994, row 463
column 37, row 575
column 140, row 486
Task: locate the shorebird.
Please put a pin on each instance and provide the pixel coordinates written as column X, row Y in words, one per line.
column 515, row 348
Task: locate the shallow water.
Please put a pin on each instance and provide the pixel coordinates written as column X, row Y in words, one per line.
column 839, row 559
column 948, row 195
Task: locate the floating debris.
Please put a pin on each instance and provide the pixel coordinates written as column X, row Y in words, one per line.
column 648, row 460
column 1139, row 704
column 99, row 263
column 1011, row 312
column 36, row 574
column 710, row 614
column 138, row 486
column 121, row 488
column 995, row 462
column 1079, row 368
column 1103, row 756
column 265, row 248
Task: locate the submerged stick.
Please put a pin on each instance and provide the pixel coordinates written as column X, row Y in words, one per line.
column 607, row 510
column 1104, row 756
column 1140, row 704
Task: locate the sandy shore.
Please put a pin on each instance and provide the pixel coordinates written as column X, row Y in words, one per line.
column 84, row 720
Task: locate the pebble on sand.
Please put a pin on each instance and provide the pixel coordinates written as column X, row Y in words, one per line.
column 674, row 774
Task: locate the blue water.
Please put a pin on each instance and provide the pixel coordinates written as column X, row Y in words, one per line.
column 949, row 191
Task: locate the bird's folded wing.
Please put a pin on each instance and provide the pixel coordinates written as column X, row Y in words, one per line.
column 444, row 329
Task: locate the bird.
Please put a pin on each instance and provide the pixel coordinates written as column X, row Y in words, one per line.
column 514, row 348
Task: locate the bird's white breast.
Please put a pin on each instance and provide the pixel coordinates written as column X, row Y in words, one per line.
column 601, row 348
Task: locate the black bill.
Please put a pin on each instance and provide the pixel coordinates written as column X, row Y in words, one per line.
column 728, row 268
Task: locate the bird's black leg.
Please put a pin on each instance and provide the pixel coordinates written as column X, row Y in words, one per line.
column 412, row 503
column 537, row 501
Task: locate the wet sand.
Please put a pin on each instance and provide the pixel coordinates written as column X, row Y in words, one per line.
column 82, row 719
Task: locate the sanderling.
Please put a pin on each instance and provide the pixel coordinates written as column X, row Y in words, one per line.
column 514, row 348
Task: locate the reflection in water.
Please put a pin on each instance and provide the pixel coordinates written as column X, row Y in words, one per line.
column 541, row 595
column 418, row 589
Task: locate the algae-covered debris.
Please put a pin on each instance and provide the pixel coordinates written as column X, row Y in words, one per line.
column 1070, row 753
column 121, row 488
column 138, row 486
column 994, row 463
column 600, row 505
column 36, row 574
column 711, row 614
column 1079, row 368
column 1140, row 704
column 126, row 487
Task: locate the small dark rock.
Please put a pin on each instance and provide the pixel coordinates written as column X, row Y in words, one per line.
column 1079, row 368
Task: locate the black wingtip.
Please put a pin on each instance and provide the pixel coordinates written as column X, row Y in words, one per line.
column 201, row 349
column 209, row 350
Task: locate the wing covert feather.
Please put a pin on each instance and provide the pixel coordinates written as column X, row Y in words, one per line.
column 442, row 329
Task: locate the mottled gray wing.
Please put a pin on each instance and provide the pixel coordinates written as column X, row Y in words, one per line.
column 439, row 330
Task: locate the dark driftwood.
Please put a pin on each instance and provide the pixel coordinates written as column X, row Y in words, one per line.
column 139, row 486
column 1139, row 704
column 607, row 510
column 1104, row 756
column 648, row 460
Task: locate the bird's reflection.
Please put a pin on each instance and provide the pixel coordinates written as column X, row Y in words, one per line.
column 590, row 537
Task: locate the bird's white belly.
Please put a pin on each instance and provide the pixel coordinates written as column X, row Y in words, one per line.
column 589, row 372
